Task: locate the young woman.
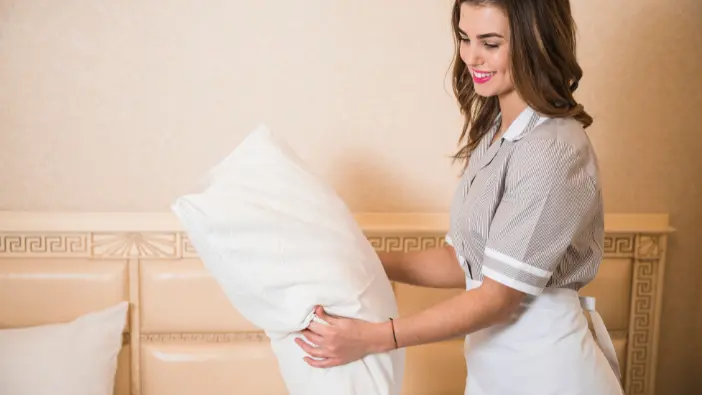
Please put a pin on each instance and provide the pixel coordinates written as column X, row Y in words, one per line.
column 526, row 228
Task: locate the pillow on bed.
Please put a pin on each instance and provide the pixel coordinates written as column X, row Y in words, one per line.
column 280, row 241
column 73, row 358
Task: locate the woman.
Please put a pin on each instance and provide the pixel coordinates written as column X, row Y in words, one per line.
column 526, row 226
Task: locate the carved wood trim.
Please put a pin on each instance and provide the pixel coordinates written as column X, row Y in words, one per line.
column 175, row 245
column 154, row 245
column 405, row 243
column 50, row 245
column 228, row 337
column 619, row 246
column 140, row 245
column 644, row 315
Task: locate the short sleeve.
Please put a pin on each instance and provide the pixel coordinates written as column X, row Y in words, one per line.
column 548, row 200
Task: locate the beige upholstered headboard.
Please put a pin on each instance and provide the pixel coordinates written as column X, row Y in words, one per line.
column 184, row 338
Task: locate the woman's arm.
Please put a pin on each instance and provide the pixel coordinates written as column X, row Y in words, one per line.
column 433, row 267
column 490, row 304
column 345, row 340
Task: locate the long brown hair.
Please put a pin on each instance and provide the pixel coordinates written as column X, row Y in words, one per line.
column 543, row 66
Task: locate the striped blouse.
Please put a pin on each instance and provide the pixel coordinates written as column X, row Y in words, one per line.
column 528, row 210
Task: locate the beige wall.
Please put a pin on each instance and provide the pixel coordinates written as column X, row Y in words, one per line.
column 118, row 106
column 643, row 84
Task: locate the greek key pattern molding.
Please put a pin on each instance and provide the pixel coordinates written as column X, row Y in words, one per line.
column 225, row 337
column 98, row 245
column 619, row 246
column 405, row 243
column 639, row 380
column 45, row 244
column 160, row 245
column 154, row 245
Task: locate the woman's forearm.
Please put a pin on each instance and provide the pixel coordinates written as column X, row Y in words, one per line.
column 434, row 267
column 490, row 304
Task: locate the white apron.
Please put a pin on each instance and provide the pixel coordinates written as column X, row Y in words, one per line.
column 547, row 350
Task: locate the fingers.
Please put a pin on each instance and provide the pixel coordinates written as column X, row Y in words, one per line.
column 322, row 352
column 319, row 312
column 309, row 349
column 312, row 337
column 319, row 329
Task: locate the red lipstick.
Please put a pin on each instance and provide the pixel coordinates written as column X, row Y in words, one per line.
column 481, row 77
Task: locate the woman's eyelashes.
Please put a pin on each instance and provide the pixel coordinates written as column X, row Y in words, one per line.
column 488, row 45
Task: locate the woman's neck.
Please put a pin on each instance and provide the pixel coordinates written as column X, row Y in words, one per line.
column 511, row 105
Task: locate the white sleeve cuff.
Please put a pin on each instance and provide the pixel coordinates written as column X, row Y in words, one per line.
column 521, row 266
column 511, row 282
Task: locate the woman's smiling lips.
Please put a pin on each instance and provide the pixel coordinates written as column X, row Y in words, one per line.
column 481, row 77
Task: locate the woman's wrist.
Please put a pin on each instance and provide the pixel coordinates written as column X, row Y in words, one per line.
column 382, row 338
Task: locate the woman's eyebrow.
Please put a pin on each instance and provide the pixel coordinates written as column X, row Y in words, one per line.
column 484, row 35
column 488, row 35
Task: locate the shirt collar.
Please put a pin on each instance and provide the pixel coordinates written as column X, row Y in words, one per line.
column 527, row 120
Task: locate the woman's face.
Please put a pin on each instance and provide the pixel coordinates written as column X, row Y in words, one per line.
column 484, row 33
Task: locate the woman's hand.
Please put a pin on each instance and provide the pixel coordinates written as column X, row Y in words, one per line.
column 343, row 340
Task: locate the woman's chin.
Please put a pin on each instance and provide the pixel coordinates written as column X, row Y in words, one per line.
column 489, row 90
column 485, row 92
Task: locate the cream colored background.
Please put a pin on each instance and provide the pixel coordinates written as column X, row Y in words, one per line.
column 98, row 96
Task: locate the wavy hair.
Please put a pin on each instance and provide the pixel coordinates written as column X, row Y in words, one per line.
column 543, row 65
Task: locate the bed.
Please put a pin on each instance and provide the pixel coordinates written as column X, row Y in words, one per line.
column 182, row 337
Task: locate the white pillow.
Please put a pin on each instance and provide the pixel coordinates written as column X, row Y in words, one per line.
column 279, row 241
column 73, row 358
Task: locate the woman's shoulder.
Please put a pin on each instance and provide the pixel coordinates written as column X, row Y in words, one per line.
column 561, row 143
column 561, row 131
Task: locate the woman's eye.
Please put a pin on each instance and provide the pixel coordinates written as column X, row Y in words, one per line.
column 491, row 46
column 464, row 39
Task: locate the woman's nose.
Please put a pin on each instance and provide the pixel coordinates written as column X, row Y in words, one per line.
column 471, row 55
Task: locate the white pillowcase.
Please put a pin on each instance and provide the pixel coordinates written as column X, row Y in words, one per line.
column 73, row 358
column 280, row 241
